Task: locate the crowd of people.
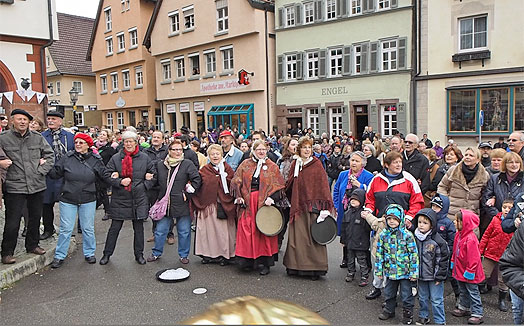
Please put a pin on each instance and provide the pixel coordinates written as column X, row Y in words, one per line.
column 410, row 213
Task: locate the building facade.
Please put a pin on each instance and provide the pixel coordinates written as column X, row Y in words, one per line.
column 343, row 65
column 67, row 69
column 200, row 48
column 471, row 60
column 26, row 28
column 125, row 71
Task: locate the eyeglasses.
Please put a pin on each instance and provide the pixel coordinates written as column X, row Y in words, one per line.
column 81, row 142
column 408, row 142
column 3, row 118
column 176, row 149
column 512, row 140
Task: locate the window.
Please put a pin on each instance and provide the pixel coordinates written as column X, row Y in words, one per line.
column 519, row 108
column 79, row 118
column 166, row 70
column 222, row 16
column 77, row 85
column 58, row 86
column 121, row 42
column 103, row 83
column 139, row 77
column 336, row 120
column 335, row 62
column 312, row 65
column 125, row 5
column 107, row 15
column 462, row 110
column 114, row 82
column 48, row 61
column 180, row 68
column 174, row 22
column 50, row 89
column 309, row 13
column 132, row 118
column 211, row 62
column 313, row 121
column 291, row 67
column 389, row 55
column 189, row 18
column 331, row 9
column 227, row 58
column 120, row 120
column 133, row 38
column 290, row 16
column 109, row 118
column 125, row 79
column 473, row 33
column 109, row 45
column 357, row 50
column 356, row 7
column 384, row 4
column 389, row 119
column 495, row 104
column 194, row 60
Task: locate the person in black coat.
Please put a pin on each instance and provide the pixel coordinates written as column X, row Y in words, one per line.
column 131, row 173
column 189, row 154
column 415, row 162
column 373, row 164
column 333, row 164
column 186, row 183
column 106, row 151
column 79, row 168
column 355, row 235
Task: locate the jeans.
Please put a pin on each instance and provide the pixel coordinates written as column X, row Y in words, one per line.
column 406, row 295
column 517, row 307
column 469, row 298
column 86, row 215
column 427, row 290
column 362, row 260
column 183, row 227
column 114, row 230
column 14, row 204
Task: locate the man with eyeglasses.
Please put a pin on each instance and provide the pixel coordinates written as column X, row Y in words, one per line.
column 516, row 143
column 415, row 162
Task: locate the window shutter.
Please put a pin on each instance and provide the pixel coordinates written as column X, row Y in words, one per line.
column 339, row 8
column 364, row 58
column 402, row 53
column 346, row 60
column 280, row 68
column 345, row 118
column 300, row 66
column 373, row 64
column 368, row 5
column 394, row 4
column 373, row 118
column 322, row 120
column 318, row 11
column 322, row 64
column 298, row 14
column 342, row 8
column 402, row 125
column 280, row 17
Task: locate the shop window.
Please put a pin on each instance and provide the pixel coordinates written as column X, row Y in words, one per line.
column 519, row 108
column 495, row 104
column 462, row 110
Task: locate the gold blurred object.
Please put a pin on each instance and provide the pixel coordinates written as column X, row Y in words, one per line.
column 250, row 310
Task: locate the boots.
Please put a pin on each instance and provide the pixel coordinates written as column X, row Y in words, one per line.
column 344, row 263
column 502, row 300
column 407, row 317
column 484, row 288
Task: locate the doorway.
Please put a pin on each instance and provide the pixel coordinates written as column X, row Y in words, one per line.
column 360, row 120
column 294, row 122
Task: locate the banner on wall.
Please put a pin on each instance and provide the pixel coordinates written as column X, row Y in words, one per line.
column 198, row 107
column 40, row 97
column 184, row 107
column 9, row 97
column 219, row 86
column 171, row 108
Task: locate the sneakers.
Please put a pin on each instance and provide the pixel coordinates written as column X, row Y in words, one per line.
column 475, row 320
column 457, row 312
column 375, row 293
column 184, row 260
column 90, row 259
column 422, row 321
column 152, row 258
column 363, row 282
column 350, row 277
column 385, row 315
column 407, row 317
column 57, row 263
column 151, row 239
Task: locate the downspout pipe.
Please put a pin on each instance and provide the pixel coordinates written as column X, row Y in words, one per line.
column 417, row 25
column 42, row 52
column 267, row 73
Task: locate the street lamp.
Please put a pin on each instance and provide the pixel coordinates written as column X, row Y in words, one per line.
column 73, row 95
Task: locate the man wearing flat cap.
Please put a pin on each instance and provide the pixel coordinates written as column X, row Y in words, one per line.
column 485, row 151
column 61, row 142
column 31, row 159
column 232, row 155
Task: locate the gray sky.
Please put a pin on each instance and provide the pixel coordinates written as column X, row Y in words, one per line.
column 85, row 8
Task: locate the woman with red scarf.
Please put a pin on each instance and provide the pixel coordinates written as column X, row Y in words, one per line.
column 257, row 182
column 215, row 211
column 131, row 174
column 308, row 190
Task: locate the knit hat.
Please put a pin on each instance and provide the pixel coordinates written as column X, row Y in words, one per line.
column 436, row 200
column 394, row 210
column 86, row 138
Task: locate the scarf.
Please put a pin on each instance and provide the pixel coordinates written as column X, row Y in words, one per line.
column 345, row 200
column 511, row 178
column 390, row 177
column 421, row 236
column 260, row 162
column 100, row 143
column 468, row 173
column 211, row 192
column 172, row 162
column 58, row 147
column 299, row 164
column 223, row 175
column 127, row 166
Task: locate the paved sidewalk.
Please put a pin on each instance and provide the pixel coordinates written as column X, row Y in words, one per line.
column 27, row 264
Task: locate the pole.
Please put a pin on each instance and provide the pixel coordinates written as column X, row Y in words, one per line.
column 481, row 120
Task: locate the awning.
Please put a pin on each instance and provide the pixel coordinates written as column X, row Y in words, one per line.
column 231, row 109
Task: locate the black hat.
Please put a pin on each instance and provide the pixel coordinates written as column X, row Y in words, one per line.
column 184, row 130
column 437, row 201
column 55, row 113
column 485, row 144
column 23, row 112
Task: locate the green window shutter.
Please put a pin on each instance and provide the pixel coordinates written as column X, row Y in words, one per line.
column 346, row 60
column 402, row 124
column 374, row 57
column 322, row 120
column 373, row 118
column 394, row 3
column 345, row 118
column 342, row 8
column 298, row 14
column 280, row 68
column 402, row 53
column 322, row 63
column 300, row 66
column 364, row 58
column 319, row 12
column 368, row 6
column 280, row 17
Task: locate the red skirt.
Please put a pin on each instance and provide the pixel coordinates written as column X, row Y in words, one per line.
column 250, row 242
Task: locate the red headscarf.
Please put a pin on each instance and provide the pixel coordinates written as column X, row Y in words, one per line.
column 127, row 165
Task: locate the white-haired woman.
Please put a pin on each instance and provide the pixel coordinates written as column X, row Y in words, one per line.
column 373, row 165
column 130, row 173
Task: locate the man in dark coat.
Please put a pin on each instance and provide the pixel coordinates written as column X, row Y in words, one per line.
column 61, row 142
column 415, row 163
column 516, row 143
column 189, row 154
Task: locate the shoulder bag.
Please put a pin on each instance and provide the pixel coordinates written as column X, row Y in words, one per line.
column 159, row 209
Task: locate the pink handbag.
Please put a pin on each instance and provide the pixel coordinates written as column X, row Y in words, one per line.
column 159, row 209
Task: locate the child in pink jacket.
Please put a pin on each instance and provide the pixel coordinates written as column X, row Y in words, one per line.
column 467, row 267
